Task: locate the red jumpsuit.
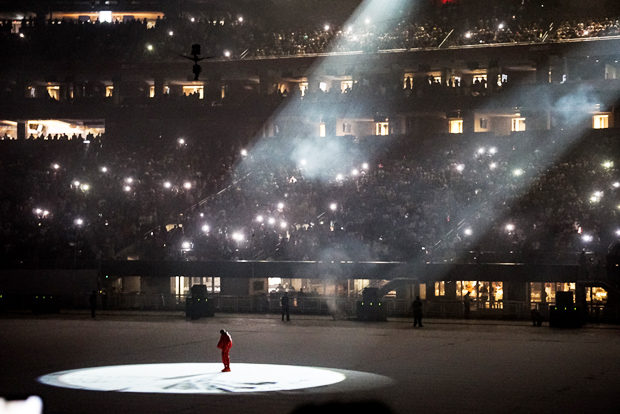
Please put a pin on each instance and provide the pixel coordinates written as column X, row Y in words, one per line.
column 225, row 344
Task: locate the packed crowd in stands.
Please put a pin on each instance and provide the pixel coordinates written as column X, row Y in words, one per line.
column 236, row 37
column 116, row 191
column 69, row 203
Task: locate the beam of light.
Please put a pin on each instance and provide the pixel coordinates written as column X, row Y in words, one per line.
column 573, row 111
column 325, row 153
column 207, row 378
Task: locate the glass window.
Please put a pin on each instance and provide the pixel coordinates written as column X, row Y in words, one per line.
column 54, row 92
column 359, row 285
column 596, row 295
column 383, row 128
column 456, row 126
column 483, row 292
column 518, row 124
column 462, row 287
column 344, row 85
column 422, row 290
column 303, row 87
column 497, row 293
column 535, row 291
column 190, row 90
column 549, row 293
column 600, row 121
column 323, row 86
column 440, row 288
column 480, row 80
column 274, row 283
column 407, row 76
column 322, row 129
column 565, row 287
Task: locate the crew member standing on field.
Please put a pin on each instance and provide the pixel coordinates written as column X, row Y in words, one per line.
column 417, row 312
column 284, row 303
column 225, row 344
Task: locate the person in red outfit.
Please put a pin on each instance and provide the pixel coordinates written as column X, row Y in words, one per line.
column 225, row 344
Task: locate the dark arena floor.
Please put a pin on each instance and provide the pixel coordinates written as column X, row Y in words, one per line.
column 447, row 366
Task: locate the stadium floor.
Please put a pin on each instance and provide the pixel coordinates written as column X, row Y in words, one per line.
column 447, row 366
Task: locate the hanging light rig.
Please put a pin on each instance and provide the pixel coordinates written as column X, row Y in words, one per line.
column 196, row 69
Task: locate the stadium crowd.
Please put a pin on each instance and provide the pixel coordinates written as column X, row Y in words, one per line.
column 69, row 202
column 236, row 37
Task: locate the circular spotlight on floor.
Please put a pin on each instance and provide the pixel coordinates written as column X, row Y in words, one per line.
column 207, row 378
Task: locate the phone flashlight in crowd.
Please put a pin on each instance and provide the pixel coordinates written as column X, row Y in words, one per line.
column 167, row 184
column 187, row 185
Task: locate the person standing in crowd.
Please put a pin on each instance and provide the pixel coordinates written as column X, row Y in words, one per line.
column 92, row 299
column 417, row 312
column 225, row 344
column 285, row 307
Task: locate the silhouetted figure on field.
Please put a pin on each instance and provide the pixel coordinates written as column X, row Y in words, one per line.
column 285, row 307
column 92, row 299
column 417, row 312
column 536, row 318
